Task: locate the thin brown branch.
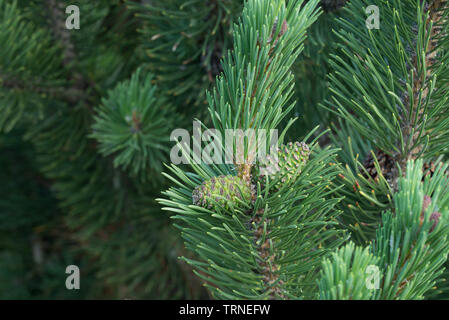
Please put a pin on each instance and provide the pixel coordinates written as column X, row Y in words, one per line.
column 420, row 87
column 267, row 264
column 62, row 34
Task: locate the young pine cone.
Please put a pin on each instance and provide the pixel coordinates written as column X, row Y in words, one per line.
column 222, row 191
column 291, row 160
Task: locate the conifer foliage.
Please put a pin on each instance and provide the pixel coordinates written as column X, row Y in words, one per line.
column 351, row 203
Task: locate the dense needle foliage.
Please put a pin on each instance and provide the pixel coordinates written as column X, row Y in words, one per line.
column 352, row 203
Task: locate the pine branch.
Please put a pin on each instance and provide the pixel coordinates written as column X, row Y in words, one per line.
column 133, row 125
column 422, row 80
column 20, row 70
column 344, row 275
column 391, row 93
column 258, row 236
column 410, row 247
column 70, row 95
column 185, row 42
column 57, row 13
column 413, row 242
column 105, row 212
column 62, row 34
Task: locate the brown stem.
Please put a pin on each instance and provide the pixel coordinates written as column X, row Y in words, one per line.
column 70, row 95
column 420, row 85
column 62, row 34
column 269, row 268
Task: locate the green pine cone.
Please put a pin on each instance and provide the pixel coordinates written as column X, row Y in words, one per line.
column 291, row 160
column 222, row 191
